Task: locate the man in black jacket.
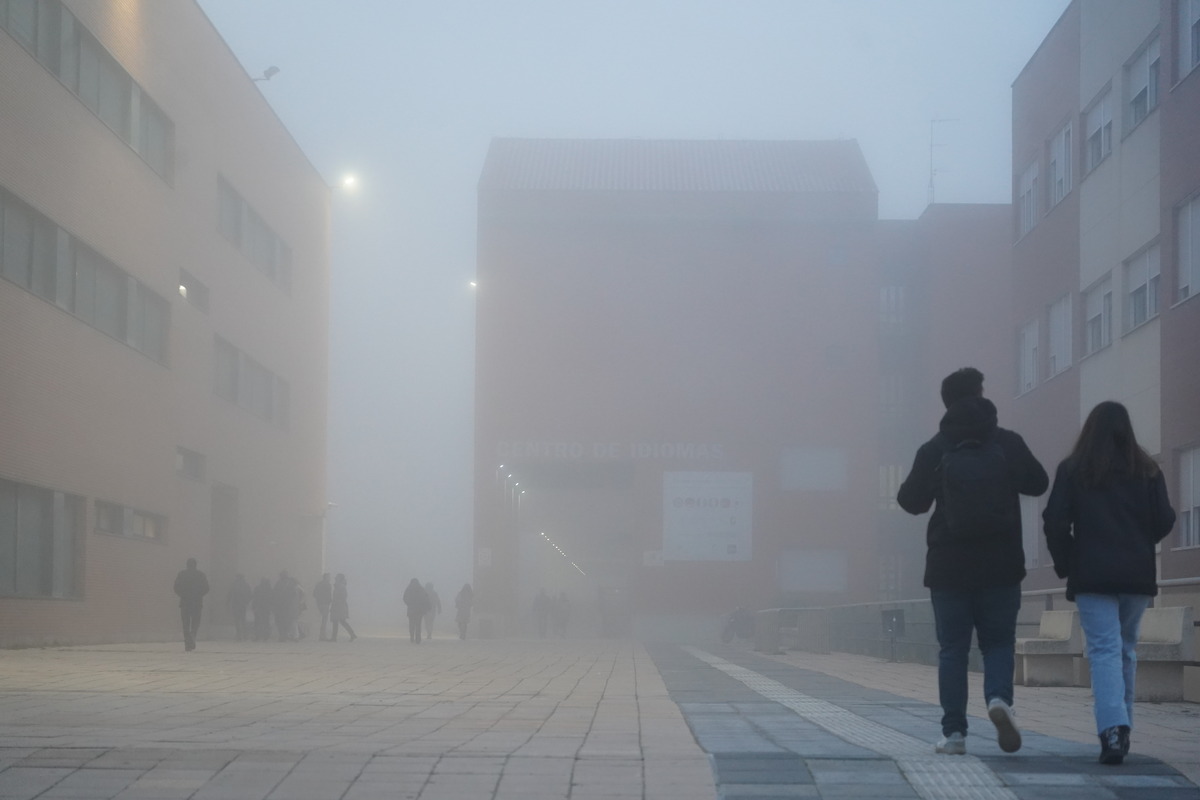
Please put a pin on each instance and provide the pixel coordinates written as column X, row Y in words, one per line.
column 974, row 575
column 191, row 585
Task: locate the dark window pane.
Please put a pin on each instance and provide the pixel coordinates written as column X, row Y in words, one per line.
column 34, row 540
column 111, row 295
column 45, row 259
column 18, row 242
column 8, row 537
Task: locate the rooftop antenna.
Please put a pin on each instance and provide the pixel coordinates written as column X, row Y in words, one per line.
column 932, row 171
column 268, row 73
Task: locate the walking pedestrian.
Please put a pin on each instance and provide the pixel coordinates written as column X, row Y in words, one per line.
column 417, row 602
column 339, row 608
column 191, row 585
column 462, row 608
column 240, row 595
column 262, row 604
column 973, row 470
column 435, row 608
column 1107, row 511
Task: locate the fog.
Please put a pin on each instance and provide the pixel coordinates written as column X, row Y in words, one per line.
column 407, row 97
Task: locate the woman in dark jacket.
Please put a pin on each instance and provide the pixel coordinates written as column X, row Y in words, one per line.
column 1107, row 511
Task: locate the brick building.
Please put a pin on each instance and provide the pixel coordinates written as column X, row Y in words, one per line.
column 163, row 323
column 698, row 369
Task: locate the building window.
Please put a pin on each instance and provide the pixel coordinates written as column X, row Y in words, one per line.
column 890, row 478
column 1060, row 165
column 189, row 463
column 1060, row 336
column 1099, row 133
column 1141, row 82
column 39, row 534
column 1189, row 36
column 1031, row 519
column 891, row 305
column 242, row 226
column 118, row 520
column 1141, row 288
column 1098, row 316
column 1027, row 362
column 1189, row 498
column 192, row 290
column 249, row 385
column 44, row 259
column 66, row 48
column 1027, row 203
column 1187, row 223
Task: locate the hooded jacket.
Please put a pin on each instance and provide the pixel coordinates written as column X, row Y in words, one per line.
column 978, row 563
column 1102, row 538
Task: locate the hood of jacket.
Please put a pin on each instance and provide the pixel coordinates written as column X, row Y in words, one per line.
column 969, row 418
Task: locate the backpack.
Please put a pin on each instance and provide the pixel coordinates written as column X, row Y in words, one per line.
column 976, row 490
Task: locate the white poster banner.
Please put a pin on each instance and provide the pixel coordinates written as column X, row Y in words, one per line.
column 707, row 516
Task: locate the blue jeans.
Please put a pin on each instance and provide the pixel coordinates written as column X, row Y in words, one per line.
column 1110, row 623
column 992, row 615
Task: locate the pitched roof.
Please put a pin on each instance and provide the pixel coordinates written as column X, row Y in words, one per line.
column 649, row 165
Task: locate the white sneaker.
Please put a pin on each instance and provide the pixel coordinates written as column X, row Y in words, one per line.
column 954, row 744
column 1002, row 716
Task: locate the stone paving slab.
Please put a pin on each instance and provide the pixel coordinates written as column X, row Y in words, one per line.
column 870, row 742
column 523, row 720
column 313, row 720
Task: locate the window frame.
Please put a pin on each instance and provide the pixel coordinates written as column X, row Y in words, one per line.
column 1058, row 171
column 1187, row 250
column 1059, row 332
column 1143, row 75
column 1102, row 290
column 1028, row 347
column 1100, row 113
column 1189, row 498
column 1149, row 262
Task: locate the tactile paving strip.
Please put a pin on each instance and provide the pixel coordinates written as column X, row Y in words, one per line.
column 932, row 776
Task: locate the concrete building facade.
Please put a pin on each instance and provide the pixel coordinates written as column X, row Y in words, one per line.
column 1105, row 175
column 163, row 323
column 697, row 369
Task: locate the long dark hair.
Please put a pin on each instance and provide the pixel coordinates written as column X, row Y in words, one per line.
column 1106, row 445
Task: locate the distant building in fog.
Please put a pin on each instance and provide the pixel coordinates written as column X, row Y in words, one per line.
column 1106, row 224
column 163, row 323
column 702, row 370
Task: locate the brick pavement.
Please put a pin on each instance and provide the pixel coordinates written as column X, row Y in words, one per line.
column 577, row 719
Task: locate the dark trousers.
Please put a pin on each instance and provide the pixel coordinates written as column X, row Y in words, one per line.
column 414, row 629
column 992, row 615
column 345, row 624
column 190, row 616
column 324, row 611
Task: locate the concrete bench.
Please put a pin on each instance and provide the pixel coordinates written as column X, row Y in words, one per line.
column 1166, row 642
column 1051, row 657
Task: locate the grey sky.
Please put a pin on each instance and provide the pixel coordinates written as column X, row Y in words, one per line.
column 407, row 96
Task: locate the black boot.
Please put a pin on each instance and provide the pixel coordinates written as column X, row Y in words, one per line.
column 1123, row 734
column 1110, row 745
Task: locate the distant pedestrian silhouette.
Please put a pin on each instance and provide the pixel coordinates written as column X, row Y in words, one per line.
column 191, row 585
column 541, row 612
column 240, row 595
column 339, row 609
column 435, row 608
column 462, row 608
column 417, row 602
column 261, row 604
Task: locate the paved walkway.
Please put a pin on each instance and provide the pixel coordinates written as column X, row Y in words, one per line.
column 535, row 720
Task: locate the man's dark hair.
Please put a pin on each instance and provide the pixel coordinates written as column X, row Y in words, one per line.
column 965, row 382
